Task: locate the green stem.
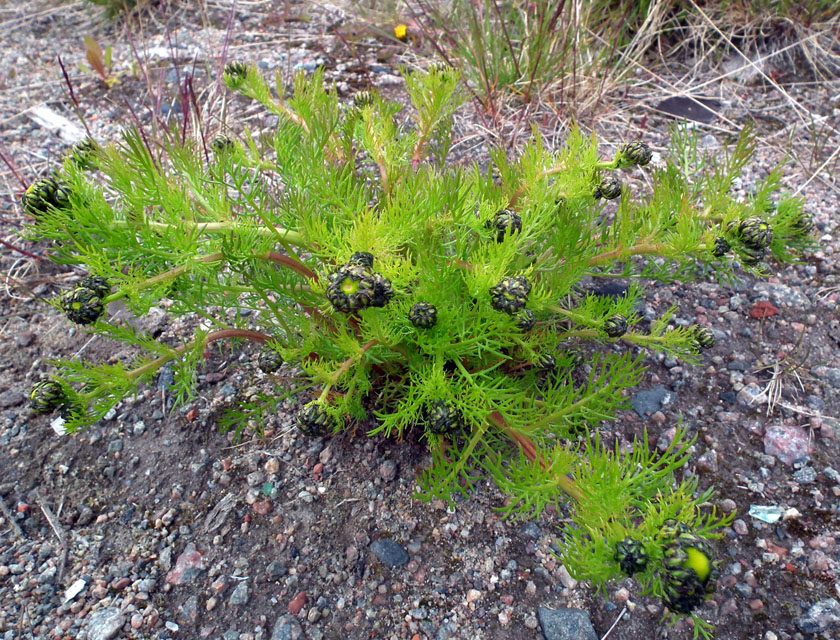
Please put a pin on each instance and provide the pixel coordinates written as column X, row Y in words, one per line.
column 157, row 363
column 620, row 253
column 287, row 235
column 344, row 368
column 272, row 256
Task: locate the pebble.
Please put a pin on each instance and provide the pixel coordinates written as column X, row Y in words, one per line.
column 105, row 623
column 389, row 553
column 240, row 594
column 566, row 624
column 740, row 527
column 188, row 566
column 822, row 616
column 646, row 403
column 286, row 628
column 297, row 603
column 788, row 444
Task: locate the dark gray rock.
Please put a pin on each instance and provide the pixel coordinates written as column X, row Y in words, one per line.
column 286, row 628
column 566, row 624
column 105, row 624
column 389, row 552
column 822, row 616
column 646, row 403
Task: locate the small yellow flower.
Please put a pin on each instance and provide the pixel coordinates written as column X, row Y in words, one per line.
column 401, row 32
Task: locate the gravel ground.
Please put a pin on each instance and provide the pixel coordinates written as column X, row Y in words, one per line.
column 154, row 525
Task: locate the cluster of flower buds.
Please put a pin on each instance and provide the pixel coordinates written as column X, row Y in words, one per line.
column 355, row 286
column 720, row 248
column 702, row 337
column 689, row 571
column 525, row 320
column 505, row 222
column 313, row 420
column 439, row 418
column 222, row 144
column 84, row 304
column 609, row 188
column 46, row 396
column 364, row 98
column 634, row 154
column 235, row 73
column 440, row 69
column 803, row 225
column 269, row 360
column 43, row 195
column 510, row 295
column 755, row 233
column 615, row 326
column 83, row 153
column 631, row 556
column 423, row 315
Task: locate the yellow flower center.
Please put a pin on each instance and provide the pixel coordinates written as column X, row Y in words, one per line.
column 698, row 562
column 349, row 286
column 400, row 31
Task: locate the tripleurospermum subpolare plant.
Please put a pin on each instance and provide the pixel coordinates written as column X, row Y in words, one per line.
column 441, row 298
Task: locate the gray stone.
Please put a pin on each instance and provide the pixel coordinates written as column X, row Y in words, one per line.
column 805, row 475
column 823, row 615
column 389, row 552
column 566, row 624
column 240, row 595
column 105, row 624
column 531, row 530
column 11, row 398
column 646, row 403
column 286, row 628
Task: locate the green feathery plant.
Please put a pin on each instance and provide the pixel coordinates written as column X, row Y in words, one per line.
column 445, row 300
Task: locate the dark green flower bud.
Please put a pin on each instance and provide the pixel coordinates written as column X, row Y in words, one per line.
column 721, row 247
column 803, row 225
column 505, row 222
column 633, row 154
column 690, row 572
column 235, row 73
column 671, row 528
column 615, row 326
column 423, row 315
column 755, row 233
column 222, row 144
column 313, row 421
column 545, row 363
column 439, row 418
column 82, row 305
column 703, row 337
column 525, row 320
column 511, row 294
column 750, row 256
column 351, row 288
column 44, row 195
column 382, row 291
column 609, row 188
column 631, row 556
column 46, row 396
column 363, row 99
column 83, row 153
column 269, row 360
column 97, row 284
column 70, row 410
column 362, row 258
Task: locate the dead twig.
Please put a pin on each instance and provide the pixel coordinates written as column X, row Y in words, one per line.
column 57, row 530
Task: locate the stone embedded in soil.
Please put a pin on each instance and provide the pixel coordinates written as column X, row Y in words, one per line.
column 240, row 594
column 11, row 398
column 822, row 616
column 286, row 628
column 105, row 624
column 187, row 567
column 646, row 403
column 389, row 552
column 297, row 603
column 566, row 624
column 188, row 611
column 787, row 443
